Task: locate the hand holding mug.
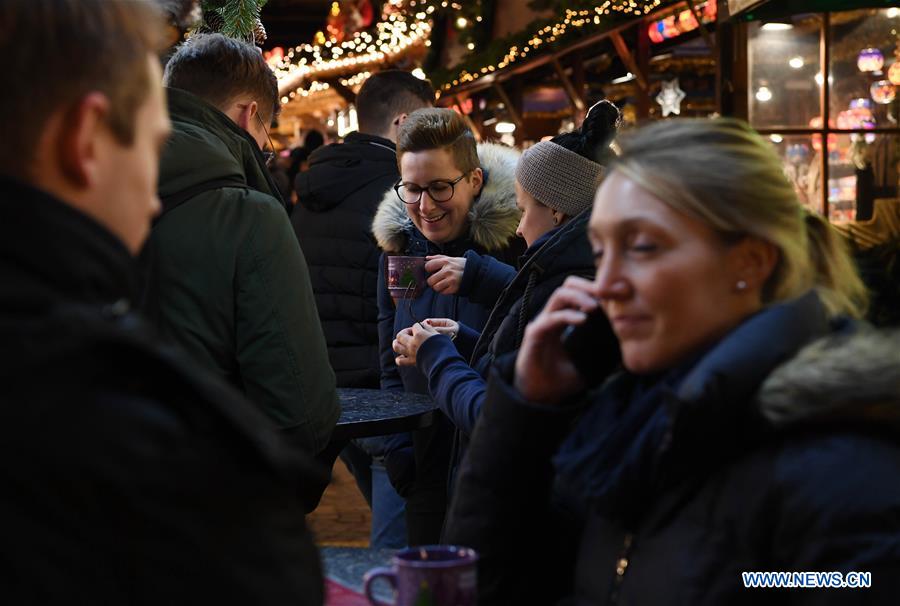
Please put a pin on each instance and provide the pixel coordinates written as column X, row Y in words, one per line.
column 446, row 273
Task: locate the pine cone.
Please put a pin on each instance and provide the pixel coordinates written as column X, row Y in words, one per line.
column 259, row 32
column 214, row 22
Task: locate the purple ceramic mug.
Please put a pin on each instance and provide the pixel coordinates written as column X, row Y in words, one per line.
column 430, row 575
column 405, row 276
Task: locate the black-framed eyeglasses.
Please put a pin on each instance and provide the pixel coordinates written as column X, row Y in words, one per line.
column 439, row 191
column 269, row 155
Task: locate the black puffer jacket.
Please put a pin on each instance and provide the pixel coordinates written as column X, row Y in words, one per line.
column 338, row 197
column 777, row 450
column 129, row 476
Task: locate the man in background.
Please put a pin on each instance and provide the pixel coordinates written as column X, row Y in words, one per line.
column 129, row 475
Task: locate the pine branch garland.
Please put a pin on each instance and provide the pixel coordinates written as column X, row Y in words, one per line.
column 239, row 17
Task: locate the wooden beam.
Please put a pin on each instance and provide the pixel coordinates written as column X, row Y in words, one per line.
column 706, row 37
column 513, row 113
column 527, row 66
column 643, row 63
column 468, row 119
column 576, row 98
column 627, row 58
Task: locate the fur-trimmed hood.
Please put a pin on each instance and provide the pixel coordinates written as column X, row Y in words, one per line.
column 493, row 217
column 855, row 377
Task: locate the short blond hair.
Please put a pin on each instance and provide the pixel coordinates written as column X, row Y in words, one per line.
column 723, row 173
column 85, row 46
column 436, row 128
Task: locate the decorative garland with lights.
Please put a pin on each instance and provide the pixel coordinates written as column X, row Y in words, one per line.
column 543, row 35
column 402, row 26
column 409, row 22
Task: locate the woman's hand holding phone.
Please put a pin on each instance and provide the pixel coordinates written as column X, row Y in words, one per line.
column 544, row 371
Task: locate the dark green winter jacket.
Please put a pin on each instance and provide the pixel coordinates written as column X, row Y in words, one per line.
column 229, row 282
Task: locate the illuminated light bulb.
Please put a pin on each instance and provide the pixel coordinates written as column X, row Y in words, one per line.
column 470, row 46
column 776, row 138
column 763, row 94
column 504, row 128
column 777, row 27
column 461, row 22
column 796, row 62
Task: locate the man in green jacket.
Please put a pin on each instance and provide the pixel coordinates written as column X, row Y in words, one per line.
column 227, row 279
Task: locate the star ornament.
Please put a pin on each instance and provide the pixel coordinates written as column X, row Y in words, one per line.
column 670, row 98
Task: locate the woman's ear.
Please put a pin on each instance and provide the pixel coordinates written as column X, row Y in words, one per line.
column 559, row 217
column 752, row 261
column 476, row 178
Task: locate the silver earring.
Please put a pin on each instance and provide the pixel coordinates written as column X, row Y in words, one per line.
column 741, row 285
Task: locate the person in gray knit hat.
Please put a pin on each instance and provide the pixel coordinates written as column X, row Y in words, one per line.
column 555, row 185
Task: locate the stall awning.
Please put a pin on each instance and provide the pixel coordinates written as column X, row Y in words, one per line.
column 753, row 10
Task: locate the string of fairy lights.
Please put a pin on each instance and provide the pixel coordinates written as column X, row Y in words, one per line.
column 406, row 23
column 572, row 20
column 309, row 63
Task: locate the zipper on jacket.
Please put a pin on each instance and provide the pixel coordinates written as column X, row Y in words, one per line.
column 621, row 566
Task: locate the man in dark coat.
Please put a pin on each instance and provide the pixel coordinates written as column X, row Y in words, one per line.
column 338, row 196
column 227, row 280
column 129, row 476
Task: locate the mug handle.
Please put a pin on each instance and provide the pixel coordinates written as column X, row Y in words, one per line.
column 372, row 576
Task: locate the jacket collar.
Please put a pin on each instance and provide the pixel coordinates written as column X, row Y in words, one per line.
column 49, row 252
column 207, row 145
column 374, row 140
column 852, row 375
column 493, row 218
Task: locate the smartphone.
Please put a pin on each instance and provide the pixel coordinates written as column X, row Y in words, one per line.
column 593, row 347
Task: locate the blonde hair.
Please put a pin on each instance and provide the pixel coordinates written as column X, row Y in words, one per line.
column 435, row 128
column 724, row 174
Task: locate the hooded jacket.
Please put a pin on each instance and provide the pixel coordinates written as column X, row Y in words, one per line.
column 131, row 475
column 337, row 199
column 776, row 450
column 229, row 281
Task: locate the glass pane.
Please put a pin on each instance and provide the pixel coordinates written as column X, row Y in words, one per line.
column 784, row 71
column 863, row 45
column 802, row 160
column 862, row 168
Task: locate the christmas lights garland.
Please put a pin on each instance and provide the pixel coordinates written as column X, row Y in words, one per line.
column 409, row 22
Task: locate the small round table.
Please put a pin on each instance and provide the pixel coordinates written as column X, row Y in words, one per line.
column 373, row 412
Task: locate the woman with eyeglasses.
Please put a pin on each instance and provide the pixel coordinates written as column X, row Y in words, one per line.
column 753, row 429
column 555, row 183
column 453, row 196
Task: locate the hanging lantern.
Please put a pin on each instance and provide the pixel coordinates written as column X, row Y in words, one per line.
column 894, row 73
column 861, row 103
column 883, row 92
column 870, row 60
